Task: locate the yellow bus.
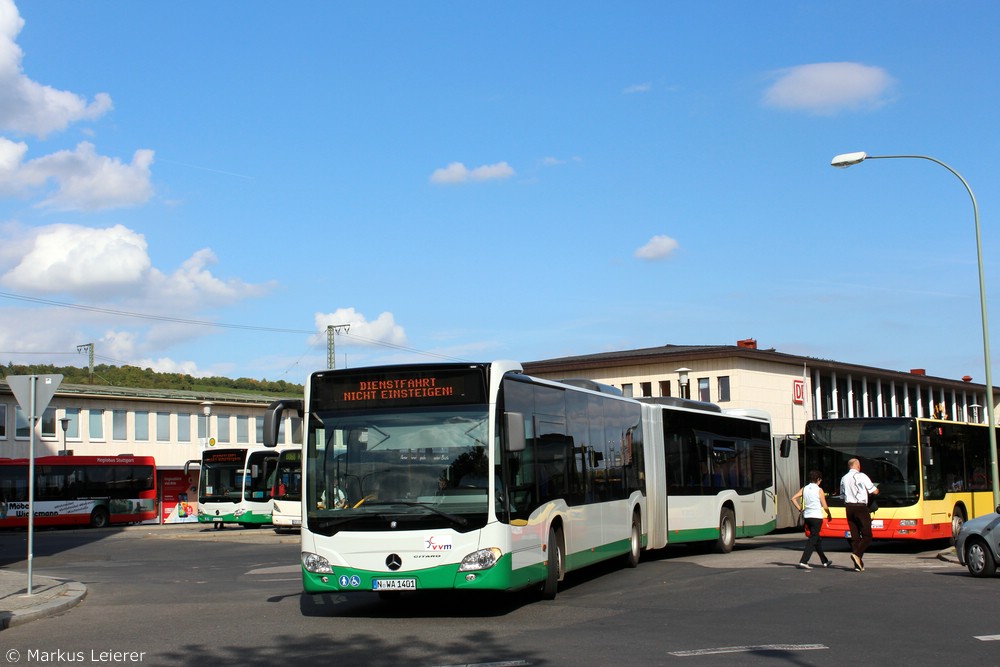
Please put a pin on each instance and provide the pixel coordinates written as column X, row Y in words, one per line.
column 932, row 475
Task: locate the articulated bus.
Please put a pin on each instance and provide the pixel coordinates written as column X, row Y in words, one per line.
column 476, row 476
column 235, row 486
column 287, row 491
column 79, row 490
column 931, row 475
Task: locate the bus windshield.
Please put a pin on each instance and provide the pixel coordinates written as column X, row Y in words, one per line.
column 413, row 467
column 222, row 476
column 887, row 451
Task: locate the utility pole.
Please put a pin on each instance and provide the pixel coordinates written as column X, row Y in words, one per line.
column 331, row 346
column 90, row 357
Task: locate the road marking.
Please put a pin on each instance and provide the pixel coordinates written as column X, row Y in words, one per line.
column 505, row 663
column 748, row 649
column 988, row 638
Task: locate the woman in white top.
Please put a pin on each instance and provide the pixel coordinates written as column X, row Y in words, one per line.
column 813, row 506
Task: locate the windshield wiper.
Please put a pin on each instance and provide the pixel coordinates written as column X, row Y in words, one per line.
column 454, row 518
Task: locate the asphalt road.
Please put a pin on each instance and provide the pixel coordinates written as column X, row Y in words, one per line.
column 187, row 596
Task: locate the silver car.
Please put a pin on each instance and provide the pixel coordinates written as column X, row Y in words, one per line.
column 978, row 545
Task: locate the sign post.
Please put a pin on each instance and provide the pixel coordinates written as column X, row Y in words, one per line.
column 33, row 393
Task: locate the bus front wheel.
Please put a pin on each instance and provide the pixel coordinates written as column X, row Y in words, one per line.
column 957, row 521
column 99, row 517
column 727, row 531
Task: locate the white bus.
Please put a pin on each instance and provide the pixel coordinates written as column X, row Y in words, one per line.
column 234, row 486
column 476, row 476
column 286, row 490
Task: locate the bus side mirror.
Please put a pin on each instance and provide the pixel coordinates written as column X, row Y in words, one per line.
column 785, row 448
column 272, row 418
column 514, row 427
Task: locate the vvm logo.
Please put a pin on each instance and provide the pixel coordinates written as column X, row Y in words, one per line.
column 438, row 543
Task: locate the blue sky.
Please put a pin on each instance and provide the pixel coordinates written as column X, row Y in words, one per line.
column 472, row 181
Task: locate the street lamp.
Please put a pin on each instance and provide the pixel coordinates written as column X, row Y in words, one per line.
column 848, row 159
column 684, row 382
column 64, row 423
column 206, row 408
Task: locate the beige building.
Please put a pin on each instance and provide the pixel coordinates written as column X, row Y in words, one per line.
column 171, row 425
column 792, row 389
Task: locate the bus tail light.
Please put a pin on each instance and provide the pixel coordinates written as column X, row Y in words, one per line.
column 483, row 559
column 316, row 563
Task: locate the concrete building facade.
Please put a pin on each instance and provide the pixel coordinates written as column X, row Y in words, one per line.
column 792, row 389
column 170, row 425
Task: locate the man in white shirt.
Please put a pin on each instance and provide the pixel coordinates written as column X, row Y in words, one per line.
column 855, row 487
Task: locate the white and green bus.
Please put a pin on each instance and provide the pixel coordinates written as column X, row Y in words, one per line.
column 286, row 490
column 476, row 476
column 235, row 486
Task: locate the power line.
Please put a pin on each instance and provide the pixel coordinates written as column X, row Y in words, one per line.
column 205, row 323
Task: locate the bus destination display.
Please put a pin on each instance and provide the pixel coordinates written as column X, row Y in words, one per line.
column 403, row 388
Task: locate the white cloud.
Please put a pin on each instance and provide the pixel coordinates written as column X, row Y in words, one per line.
column 656, row 248
column 111, row 263
column 27, row 106
column 79, row 260
column 382, row 330
column 192, row 282
column 456, row 172
column 827, row 88
column 638, row 88
column 84, row 180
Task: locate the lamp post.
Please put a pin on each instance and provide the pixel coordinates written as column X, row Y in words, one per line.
column 848, row 159
column 64, row 423
column 206, row 408
column 684, row 381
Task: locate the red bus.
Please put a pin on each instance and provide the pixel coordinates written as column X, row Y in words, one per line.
column 73, row 490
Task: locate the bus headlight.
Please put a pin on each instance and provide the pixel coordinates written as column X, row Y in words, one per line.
column 907, row 522
column 483, row 559
column 316, row 563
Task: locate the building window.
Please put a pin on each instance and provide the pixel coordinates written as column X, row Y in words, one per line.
column 73, row 425
column 242, row 429
column 21, row 430
column 183, row 427
column 49, row 423
column 296, row 430
column 96, row 422
column 664, row 387
column 141, row 425
column 259, row 428
column 203, row 427
column 3, row 421
column 119, row 424
column 223, row 425
column 627, row 389
column 163, row 427
column 723, row 389
column 703, row 392
column 646, row 388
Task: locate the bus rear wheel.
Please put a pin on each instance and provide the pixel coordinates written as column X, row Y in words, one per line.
column 634, row 543
column 727, row 531
column 99, row 517
column 555, row 567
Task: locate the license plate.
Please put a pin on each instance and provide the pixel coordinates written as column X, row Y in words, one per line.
column 394, row 584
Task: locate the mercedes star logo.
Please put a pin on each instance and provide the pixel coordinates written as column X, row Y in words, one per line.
column 393, row 562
